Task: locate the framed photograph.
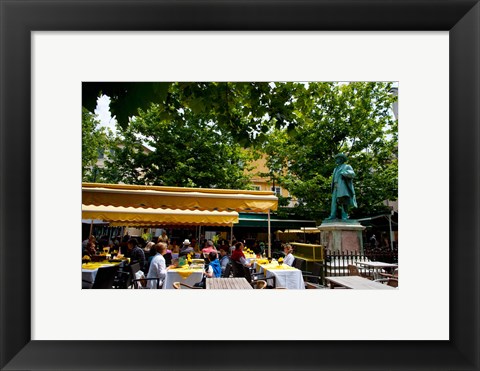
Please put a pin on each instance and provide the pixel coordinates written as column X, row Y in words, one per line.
column 129, row 345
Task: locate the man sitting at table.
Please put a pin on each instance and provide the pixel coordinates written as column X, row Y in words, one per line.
column 136, row 253
column 289, row 258
column 158, row 268
column 90, row 249
column 186, row 248
column 238, row 256
column 224, row 260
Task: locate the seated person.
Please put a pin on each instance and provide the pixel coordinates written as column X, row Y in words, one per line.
column 148, row 246
column 289, row 258
column 209, row 248
column 238, row 256
column 224, row 259
column 89, row 249
column 136, row 253
column 174, row 247
column 186, row 249
column 214, row 269
column 158, row 268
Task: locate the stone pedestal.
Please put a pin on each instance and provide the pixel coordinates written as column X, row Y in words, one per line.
column 342, row 235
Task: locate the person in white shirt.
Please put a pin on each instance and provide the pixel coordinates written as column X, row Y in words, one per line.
column 158, row 267
column 289, row 258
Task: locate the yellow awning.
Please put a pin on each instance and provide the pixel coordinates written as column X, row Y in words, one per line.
column 140, row 217
column 156, row 197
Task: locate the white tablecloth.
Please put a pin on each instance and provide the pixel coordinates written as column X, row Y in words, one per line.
column 173, row 276
column 291, row 279
column 88, row 275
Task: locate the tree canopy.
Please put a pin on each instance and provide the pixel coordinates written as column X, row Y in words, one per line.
column 198, row 133
column 331, row 118
column 94, row 141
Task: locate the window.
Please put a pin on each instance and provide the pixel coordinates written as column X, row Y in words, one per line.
column 100, row 154
column 256, row 188
column 277, row 190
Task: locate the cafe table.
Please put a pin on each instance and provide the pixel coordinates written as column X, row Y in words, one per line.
column 357, row 283
column 185, row 274
column 285, row 276
column 377, row 267
column 233, row 283
column 89, row 271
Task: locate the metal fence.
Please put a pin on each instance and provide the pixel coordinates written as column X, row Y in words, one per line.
column 336, row 262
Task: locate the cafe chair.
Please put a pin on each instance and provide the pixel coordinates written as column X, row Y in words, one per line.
column 388, row 281
column 142, row 283
column 354, row 271
column 180, row 285
column 388, row 275
column 260, row 284
column 104, row 278
column 300, row 263
column 124, row 277
column 228, row 271
column 253, row 277
column 237, row 269
column 314, row 279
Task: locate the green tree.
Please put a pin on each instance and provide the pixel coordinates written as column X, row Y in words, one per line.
column 329, row 118
column 187, row 151
column 95, row 140
column 246, row 109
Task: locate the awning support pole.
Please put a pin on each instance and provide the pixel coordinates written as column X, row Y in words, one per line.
column 91, row 228
column 391, row 233
column 231, row 234
column 269, row 236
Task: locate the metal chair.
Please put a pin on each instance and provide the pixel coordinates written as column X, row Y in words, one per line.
column 300, row 263
column 142, row 283
column 125, row 276
column 315, row 279
column 253, row 277
column 228, row 270
column 237, row 269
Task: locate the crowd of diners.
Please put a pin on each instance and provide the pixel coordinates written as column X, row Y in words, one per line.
column 156, row 257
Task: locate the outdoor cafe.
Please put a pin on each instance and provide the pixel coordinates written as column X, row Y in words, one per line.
column 152, row 206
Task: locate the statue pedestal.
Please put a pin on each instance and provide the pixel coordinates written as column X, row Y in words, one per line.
column 342, row 235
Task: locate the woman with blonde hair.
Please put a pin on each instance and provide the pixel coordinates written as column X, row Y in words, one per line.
column 289, row 258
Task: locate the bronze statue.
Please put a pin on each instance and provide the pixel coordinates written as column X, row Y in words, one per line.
column 343, row 194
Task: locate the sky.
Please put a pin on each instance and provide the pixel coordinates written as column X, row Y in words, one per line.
column 103, row 113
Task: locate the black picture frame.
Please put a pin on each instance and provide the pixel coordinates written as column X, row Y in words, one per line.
column 18, row 18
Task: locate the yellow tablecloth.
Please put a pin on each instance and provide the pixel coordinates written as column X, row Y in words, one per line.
column 97, row 265
column 186, row 271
